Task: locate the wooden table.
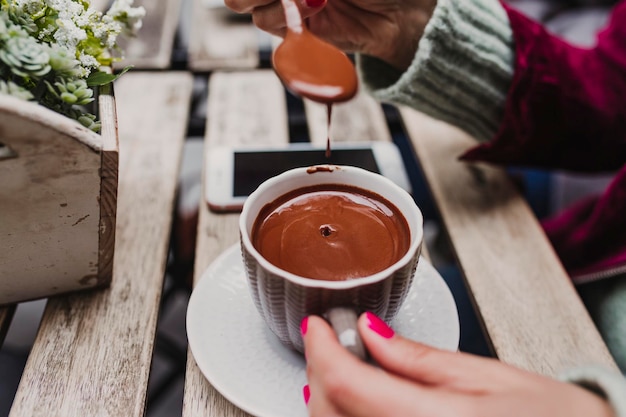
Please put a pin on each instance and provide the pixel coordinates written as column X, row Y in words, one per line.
column 93, row 350
column 530, row 311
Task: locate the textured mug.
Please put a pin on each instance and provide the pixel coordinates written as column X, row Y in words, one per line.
column 283, row 299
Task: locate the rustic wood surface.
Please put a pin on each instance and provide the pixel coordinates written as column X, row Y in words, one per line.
column 109, row 166
column 153, row 45
column 243, row 109
column 529, row 307
column 93, row 351
column 257, row 99
column 221, row 39
column 358, row 120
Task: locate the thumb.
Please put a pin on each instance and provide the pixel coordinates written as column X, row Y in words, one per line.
column 428, row 365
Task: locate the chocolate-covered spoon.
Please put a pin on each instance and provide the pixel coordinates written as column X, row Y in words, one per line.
column 311, row 67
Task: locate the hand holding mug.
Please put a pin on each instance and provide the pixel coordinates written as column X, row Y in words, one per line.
column 420, row 381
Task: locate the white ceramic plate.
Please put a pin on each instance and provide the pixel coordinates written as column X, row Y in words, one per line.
column 246, row 363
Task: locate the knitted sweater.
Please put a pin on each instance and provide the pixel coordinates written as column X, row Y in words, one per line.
column 464, row 73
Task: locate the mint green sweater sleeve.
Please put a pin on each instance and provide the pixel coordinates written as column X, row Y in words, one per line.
column 607, row 384
column 461, row 71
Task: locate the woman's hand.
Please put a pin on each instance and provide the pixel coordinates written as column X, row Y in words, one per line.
column 416, row 380
column 387, row 29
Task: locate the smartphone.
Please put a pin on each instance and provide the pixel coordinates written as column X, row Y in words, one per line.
column 233, row 173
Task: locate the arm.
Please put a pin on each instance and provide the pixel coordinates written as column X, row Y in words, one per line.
column 461, row 71
column 501, row 77
column 566, row 107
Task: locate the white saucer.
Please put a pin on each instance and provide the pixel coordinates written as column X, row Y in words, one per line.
column 246, row 363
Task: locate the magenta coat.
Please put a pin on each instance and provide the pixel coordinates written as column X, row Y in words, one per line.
column 566, row 109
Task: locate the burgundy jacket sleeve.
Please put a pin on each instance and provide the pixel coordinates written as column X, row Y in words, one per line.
column 566, row 107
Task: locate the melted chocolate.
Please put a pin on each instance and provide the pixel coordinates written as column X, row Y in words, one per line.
column 329, row 111
column 315, row 69
column 331, row 232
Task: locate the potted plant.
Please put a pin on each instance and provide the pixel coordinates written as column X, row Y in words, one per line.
column 58, row 144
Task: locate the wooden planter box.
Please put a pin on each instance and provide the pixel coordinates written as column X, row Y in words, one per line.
column 58, row 196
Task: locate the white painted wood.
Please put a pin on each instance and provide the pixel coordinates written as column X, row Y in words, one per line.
column 50, row 196
column 93, row 351
column 221, row 39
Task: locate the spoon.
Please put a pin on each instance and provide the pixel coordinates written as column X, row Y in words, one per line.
column 310, row 67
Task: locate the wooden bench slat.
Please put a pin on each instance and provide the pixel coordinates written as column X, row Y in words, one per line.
column 244, row 109
column 153, row 45
column 221, row 40
column 529, row 307
column 358, row 120
column 101, row 5
column 93, row 351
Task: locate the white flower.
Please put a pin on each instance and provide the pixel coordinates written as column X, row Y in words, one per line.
column 121, row 10
column 88, row 62
column 61, row 43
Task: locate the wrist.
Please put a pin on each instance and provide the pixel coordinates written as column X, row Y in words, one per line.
column 460, row 72
column 401, row 46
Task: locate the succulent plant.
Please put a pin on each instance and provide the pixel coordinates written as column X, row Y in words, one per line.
column 11, row 89
column 73, row 92
column 54, row 51
column 25, row 57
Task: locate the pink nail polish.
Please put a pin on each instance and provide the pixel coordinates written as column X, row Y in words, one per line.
column 304, row 324
column 379, row 326
column 306, row 393
column 314, row 3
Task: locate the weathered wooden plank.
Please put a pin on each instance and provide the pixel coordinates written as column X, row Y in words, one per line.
column 109, row 176
column 244, row 109
column 358, row 120
column 53, row 246
column 101, row 5
column 221, row 40
column 153, row 45
column 93, row 351
column 529, row 307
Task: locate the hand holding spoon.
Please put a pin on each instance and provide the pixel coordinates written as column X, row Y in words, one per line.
column 311, row 67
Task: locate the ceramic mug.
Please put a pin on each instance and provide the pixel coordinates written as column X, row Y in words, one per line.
column 283, row 299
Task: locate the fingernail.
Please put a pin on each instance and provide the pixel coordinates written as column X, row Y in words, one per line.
column 306, row 393
column 379, row 326
column 314, row 3
column 304, row 324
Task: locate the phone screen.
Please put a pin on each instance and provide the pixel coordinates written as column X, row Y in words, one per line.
column 252, row 168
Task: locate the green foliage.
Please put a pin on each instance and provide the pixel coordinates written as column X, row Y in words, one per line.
column 55, row 52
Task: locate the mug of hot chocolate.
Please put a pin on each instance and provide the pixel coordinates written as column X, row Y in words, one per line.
column 333, row 241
